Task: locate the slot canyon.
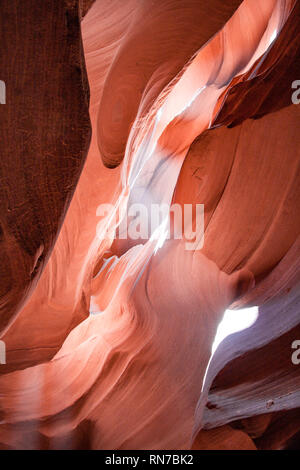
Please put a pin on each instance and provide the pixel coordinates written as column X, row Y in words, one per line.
column 149, row 225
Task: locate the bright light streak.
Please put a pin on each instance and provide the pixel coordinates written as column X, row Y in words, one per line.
column 273, row 37
column 233, row 321
column 160, row 234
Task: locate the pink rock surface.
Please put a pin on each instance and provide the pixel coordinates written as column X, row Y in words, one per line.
column 110, row 348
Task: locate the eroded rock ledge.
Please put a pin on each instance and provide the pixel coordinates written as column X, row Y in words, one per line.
column 108, row 341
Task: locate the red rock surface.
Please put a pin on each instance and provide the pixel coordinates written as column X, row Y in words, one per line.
column 109, row 341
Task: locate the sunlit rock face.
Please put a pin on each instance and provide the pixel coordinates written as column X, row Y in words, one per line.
column 109, row 340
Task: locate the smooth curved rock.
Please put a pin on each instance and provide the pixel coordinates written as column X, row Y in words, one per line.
column 113, row 347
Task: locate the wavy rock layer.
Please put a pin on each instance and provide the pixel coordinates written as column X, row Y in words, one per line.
column 111, row 348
